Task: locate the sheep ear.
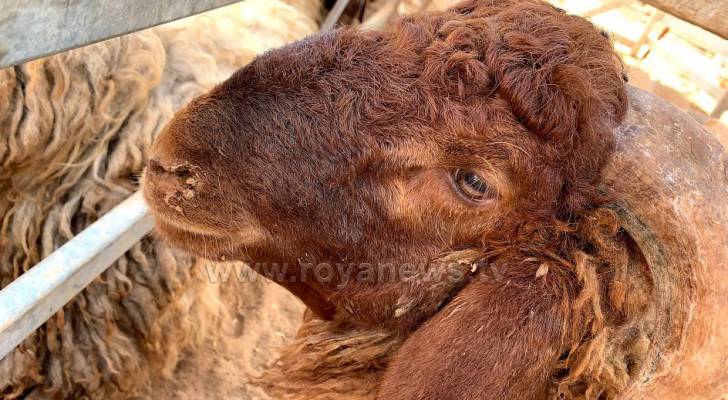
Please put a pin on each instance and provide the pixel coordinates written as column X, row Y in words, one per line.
column 492, row 341
column 454, row 62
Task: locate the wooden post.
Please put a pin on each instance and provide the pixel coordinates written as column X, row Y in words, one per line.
column 721, row 107
column 645, row 37
column 711, row 15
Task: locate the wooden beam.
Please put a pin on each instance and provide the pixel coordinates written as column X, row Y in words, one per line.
column 606, row 7
column 711, row 15
column 31, row 29
column 645, row 36
column 721, row 106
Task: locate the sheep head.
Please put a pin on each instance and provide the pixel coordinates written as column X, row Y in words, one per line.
column 484, row 128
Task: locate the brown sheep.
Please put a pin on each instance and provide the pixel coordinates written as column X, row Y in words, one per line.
column 433, row 194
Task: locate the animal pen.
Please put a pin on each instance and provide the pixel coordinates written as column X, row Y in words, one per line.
column 38, row 28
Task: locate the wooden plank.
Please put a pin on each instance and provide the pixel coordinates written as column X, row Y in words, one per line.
column 711, row 15
column 721, row 106
column 606, row 7
column 27, row 302
column 35, row 28
column 645, row 36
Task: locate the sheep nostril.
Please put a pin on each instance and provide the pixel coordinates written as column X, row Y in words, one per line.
column 179, row 171
column 182, row 172
column 155, row 167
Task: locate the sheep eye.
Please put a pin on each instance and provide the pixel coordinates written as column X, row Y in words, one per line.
column 472, row 186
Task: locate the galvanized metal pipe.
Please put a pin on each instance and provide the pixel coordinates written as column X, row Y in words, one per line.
column 40, row 292
column 333, row 17
column 30, row 29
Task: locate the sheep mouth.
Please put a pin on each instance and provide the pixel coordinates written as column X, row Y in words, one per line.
column 201, row 239
column 207, row 245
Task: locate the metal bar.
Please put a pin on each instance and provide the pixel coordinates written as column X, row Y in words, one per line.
column 39, row 293
column 334, row 15
column 32, row 29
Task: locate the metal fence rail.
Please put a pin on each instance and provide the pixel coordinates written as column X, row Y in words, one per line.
column 35, row 28
column 40, row 292
column 31, row 29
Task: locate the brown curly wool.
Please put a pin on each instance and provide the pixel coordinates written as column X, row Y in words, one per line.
column 74, row 133
column 330, row 361
column 614, row 303
column 345, row 150
column 335, row 360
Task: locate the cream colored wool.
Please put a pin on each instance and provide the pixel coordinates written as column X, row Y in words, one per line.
column 74, row 131
column 413, row 6
column 331, row 361
column 379, row 14
column 204, row 50
column 312, row 8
